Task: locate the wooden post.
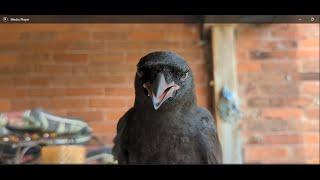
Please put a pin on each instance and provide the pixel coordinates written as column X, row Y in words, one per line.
column 225, row 74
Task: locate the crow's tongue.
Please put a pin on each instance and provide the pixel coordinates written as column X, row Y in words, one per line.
column 158, row 100
column 160, row 90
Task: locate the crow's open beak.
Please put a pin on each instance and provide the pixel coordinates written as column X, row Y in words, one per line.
column 160, row 90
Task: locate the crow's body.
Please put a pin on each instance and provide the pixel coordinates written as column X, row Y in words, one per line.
column 177, row 131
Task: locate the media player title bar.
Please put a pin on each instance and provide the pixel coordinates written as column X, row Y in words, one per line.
column 159, row 19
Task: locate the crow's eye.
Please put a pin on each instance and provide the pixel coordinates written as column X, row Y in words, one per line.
column 184, row 76
column 139, row 73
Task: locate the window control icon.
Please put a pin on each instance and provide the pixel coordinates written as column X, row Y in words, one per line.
column 312, row 19
column 5, row 19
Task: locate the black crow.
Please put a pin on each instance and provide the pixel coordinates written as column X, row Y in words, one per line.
column 165, row 125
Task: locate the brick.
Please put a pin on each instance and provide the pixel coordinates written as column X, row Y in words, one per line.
column 72, row 36
column 87, row 46
column 68, row 103
column 84, row 91
column 63, row 81
column 291, row 102
column 20, row 81
column 34, row 58
column 201, row 78
column 37, row 36
column 313, row 160
column 259, row 102
column 310, row 126
column 5, row 105
column 283, row 139
column 158, row 27
column 282, row 113
column 263, row 152
column 110, row 36
column 119, row 91
column 307, row 54
column 6, row 82
column 311, row 65
column 280, row 77
column 107, row 80
column 146, row 36
column 260, row 55
column 107, row 139
column 310, row 88
column 311, row 138
column 145, row 46
column 107, row 59
column 53, row 69
column 46, row 92
column 13, row 93
column 309, row 43
column 60, row 105
column 42, row 46
column 7, row 59
column 59, row 112
column 196, row 57
column 80, row 70
column 18, row 105
column 98, row 69
column 108, row 103
column 16, row 69
column 107, row 69
column 277, row 66
column 103, row 127
column 285, row 55
column 114, row 115
column 312, row 113
column 88, row 116
column 306, row 151
column 285, row 45
column 202, row 90
column 130, row 102
column 203, row 101
column 249, row 67
column 271, row 125
column 251, row 90
column 134, row 57
column 190, row 46
column 182, row 35
column 284, row 161
column 310, row 76
column 9, row 36
column 39, row 81
column 70, row 58
column 287, row 33
column 279, row 90
column 106, row 27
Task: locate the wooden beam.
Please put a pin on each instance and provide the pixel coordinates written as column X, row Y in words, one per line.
column 225, row 74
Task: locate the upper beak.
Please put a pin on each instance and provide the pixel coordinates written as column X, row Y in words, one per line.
column 160, row 90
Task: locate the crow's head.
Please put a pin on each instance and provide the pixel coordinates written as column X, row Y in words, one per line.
column 163, row 81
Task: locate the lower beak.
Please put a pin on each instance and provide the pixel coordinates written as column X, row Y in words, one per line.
column 160, row 90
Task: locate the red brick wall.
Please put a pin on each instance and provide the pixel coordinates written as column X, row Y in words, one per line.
column 278, row 68
column 87, row 70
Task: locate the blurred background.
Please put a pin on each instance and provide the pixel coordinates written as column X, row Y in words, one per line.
column 87, row 71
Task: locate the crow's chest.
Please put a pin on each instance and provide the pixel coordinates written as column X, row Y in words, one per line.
column 162, row 141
